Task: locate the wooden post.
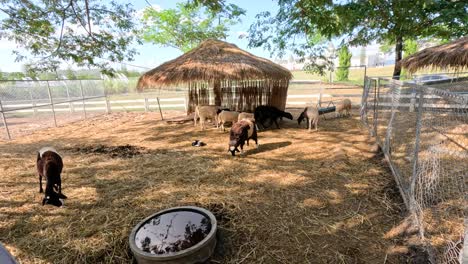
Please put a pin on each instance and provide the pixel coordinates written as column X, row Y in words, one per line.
column 217, row 92
column 160, row 111
column 146, row 105
column 51, row 103
column 4, row 121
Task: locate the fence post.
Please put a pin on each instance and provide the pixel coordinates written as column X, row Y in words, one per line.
column 108, row 106
column 51, row 103
column 70, row 104
column 146, row 105
column 415, row 161
column 160, row 111
column 32, row 102
column 413, row 100
column 365, row 74
column 376, row 104
column 82, row 96
column 4, row 121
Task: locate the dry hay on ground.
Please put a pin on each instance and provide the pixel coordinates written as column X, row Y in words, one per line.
column 320, row 197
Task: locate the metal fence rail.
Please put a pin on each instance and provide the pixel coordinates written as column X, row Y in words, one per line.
column 423, row 132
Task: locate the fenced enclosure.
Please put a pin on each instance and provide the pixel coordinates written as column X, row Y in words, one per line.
column 423, row 133
column 26, row 106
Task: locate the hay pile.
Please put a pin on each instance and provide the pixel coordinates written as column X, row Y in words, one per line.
column 300, row 198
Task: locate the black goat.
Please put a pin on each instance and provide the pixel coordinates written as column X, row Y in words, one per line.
column 265, row 113
column 242, row 131
column 49, row 165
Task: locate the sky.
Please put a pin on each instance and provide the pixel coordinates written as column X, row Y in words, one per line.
column 151, row 55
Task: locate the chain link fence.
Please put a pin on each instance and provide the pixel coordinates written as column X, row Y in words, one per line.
column 26, row 106
column 423, row 132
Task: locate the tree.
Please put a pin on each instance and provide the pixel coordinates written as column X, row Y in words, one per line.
column 344, row 57
column 69, row 74
column 410, row 47
column 359, row 22
column 187, row 25
column 85, row 32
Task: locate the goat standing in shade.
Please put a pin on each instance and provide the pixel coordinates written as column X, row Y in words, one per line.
column 311, row 114
column 242, row 131
column 49, row 165
column 264, row 112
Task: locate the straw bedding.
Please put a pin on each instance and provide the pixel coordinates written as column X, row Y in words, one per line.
column 301, row 197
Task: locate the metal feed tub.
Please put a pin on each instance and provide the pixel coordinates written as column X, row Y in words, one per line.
column 177, row 235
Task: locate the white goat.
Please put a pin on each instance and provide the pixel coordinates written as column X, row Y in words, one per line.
column 311, row 114
column 245, row 115
column 227, row 116
column 205, row 112
column 341, row 106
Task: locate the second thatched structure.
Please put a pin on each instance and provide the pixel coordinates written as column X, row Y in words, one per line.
column 217, row 72
column 453, row 55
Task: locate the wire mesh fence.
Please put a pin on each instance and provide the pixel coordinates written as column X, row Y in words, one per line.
column 423, row 132
column 26, row 106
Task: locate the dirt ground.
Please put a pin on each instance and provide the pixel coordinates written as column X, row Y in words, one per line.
column 320, row 197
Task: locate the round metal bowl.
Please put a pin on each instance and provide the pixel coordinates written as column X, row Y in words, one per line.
column 172, row 236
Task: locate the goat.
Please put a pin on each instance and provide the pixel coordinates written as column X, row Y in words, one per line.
column 205, row 112
column 345, row 106
column 227, row 116
column 311, row 114
column 241, row 132
column 263, row 113
column 245, row 115
column 49, row 165
column 222, row 109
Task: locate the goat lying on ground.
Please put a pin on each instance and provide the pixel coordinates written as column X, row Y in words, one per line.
column 205, row 112
column 311, row 114
column 227, row 116
column 263, row 113
column 49, row 165
column 343, row 106
column 242, row 131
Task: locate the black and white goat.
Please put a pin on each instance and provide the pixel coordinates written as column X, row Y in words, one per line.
column 49, row 165
column 264, row 113
column 242, row 131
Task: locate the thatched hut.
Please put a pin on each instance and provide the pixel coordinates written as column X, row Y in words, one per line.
column 452, row 55
column 217, row 72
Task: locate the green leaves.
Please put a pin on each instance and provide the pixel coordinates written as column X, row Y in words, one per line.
column 189, row 24
column 359, row 22
column 56, row 31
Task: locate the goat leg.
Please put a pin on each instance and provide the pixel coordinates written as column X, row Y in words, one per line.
column 276, row 123
column 40, row 184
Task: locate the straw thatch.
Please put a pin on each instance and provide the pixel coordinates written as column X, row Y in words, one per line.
column 211, row 61
column 221, row 73
column 451, row 55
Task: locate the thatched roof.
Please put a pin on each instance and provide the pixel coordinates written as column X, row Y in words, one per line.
column 213, row 60
column 450, row 55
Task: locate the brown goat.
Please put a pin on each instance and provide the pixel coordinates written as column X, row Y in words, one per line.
column 49, row 165
column 241, row 132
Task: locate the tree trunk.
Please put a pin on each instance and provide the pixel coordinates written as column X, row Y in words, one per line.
column 217, row 92
column 398, row 56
